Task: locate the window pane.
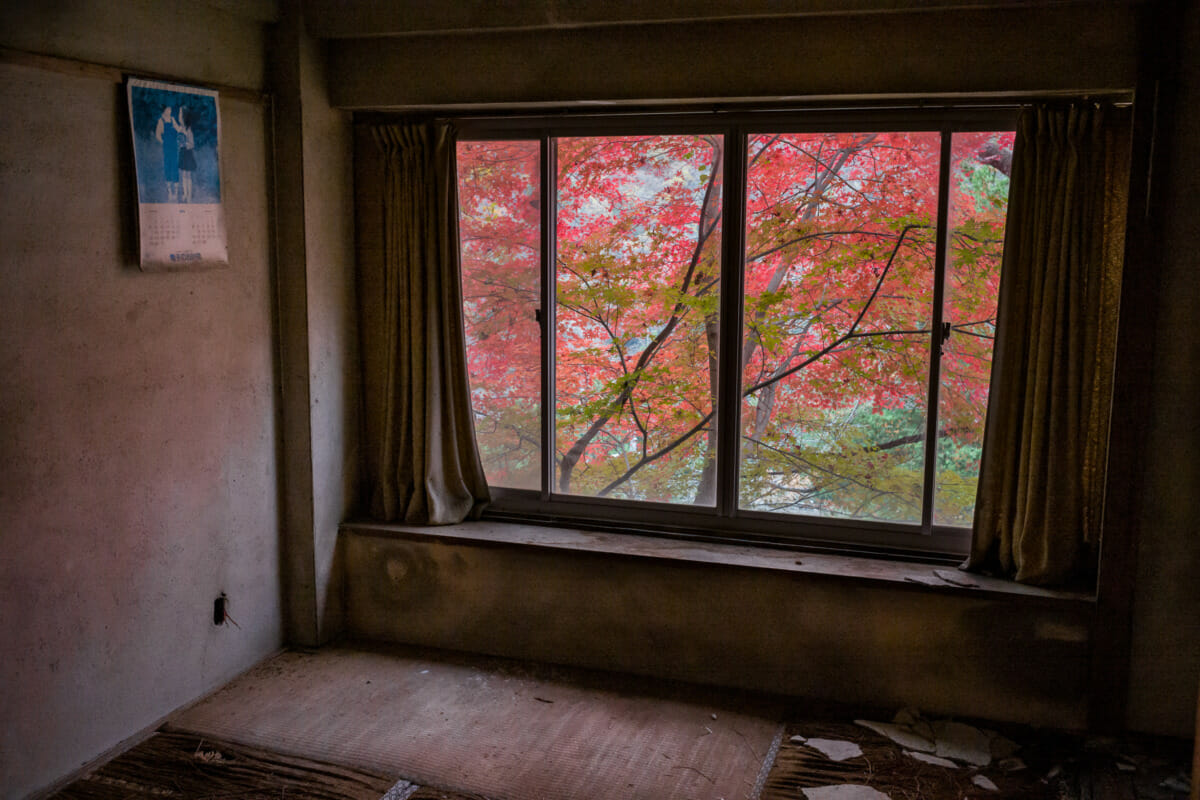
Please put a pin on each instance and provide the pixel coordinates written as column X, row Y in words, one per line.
column 638, row 269
column 978, row 208
column 840, row 238
column 499, row 230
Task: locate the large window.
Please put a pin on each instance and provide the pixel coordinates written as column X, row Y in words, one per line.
column 749, row 330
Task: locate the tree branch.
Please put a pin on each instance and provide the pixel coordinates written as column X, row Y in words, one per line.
column 853, row 327
column 575, row 452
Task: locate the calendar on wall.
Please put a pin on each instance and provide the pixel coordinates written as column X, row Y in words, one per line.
column 177, row 155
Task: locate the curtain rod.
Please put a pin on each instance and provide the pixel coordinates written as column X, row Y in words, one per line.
column 106, row 72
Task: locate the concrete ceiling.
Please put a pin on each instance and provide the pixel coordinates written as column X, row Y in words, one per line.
column 369, row 18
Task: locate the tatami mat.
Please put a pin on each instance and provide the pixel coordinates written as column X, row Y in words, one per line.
column 489, row 729
column 191, row 767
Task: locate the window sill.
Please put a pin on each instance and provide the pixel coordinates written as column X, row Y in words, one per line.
column 898, row 574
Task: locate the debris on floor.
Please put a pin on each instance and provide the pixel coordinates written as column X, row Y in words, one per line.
column 900, row 734
column 1011, row 764
column 833, row 749
column 937, row 761
column 1178, row 783
column 846, row 791
column 918, row 758
column 946, row 739
column 984, row 782
column 959, row 742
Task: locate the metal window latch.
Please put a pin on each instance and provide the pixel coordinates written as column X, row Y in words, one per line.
column 945, row 332
column 537, row 315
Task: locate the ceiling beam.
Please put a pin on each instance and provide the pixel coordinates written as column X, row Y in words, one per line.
column 335, row 19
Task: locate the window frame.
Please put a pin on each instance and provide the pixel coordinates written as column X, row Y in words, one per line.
column 724, row 521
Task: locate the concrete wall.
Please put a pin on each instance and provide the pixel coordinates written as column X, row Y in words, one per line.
column 138, row 476
column 333, row 330
column 1018, row 49
column 778, row 629
column 1166, row 625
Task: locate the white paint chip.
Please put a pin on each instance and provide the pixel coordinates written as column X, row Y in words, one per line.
column 845, row 791
column 962, row 743
column 928, row 759
column 834, row 749
column 984, row 782
column 898, row 734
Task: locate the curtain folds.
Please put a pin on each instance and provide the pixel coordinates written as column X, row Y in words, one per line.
column 422, row 463
column 1041, row 483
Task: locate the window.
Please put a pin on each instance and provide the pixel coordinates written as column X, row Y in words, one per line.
column 750, row 330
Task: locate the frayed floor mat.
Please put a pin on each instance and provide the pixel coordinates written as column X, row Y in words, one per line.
column 189, row 767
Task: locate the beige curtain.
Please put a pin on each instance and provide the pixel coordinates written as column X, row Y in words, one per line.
column 1041, row 484
column 422, row 463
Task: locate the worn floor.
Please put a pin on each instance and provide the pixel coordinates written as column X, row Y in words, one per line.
column 359, row 723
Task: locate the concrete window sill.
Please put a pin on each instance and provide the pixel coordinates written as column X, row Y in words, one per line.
column 908, row 575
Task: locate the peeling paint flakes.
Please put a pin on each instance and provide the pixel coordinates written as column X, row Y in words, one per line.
column 845, row 791
column 963, row 743
column 928, row 759
column 1178, row 783
column 984, row 782
column 899, row 734
column 833, row 749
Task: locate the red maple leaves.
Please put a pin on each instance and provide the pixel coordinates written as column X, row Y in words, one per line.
column 839, row 285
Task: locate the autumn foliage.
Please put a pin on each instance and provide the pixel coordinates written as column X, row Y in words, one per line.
column 837, row 323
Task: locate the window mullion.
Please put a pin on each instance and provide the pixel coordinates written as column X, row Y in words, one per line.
column 548, row 209
column 935, row 335
column 729, row 368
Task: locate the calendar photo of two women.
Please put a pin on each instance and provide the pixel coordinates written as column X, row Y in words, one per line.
column 176, row 148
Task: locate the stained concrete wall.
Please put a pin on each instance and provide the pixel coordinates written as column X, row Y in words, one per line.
column 1165, row 669
column 333, row 331
column 778, row 630
column 138, row 475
